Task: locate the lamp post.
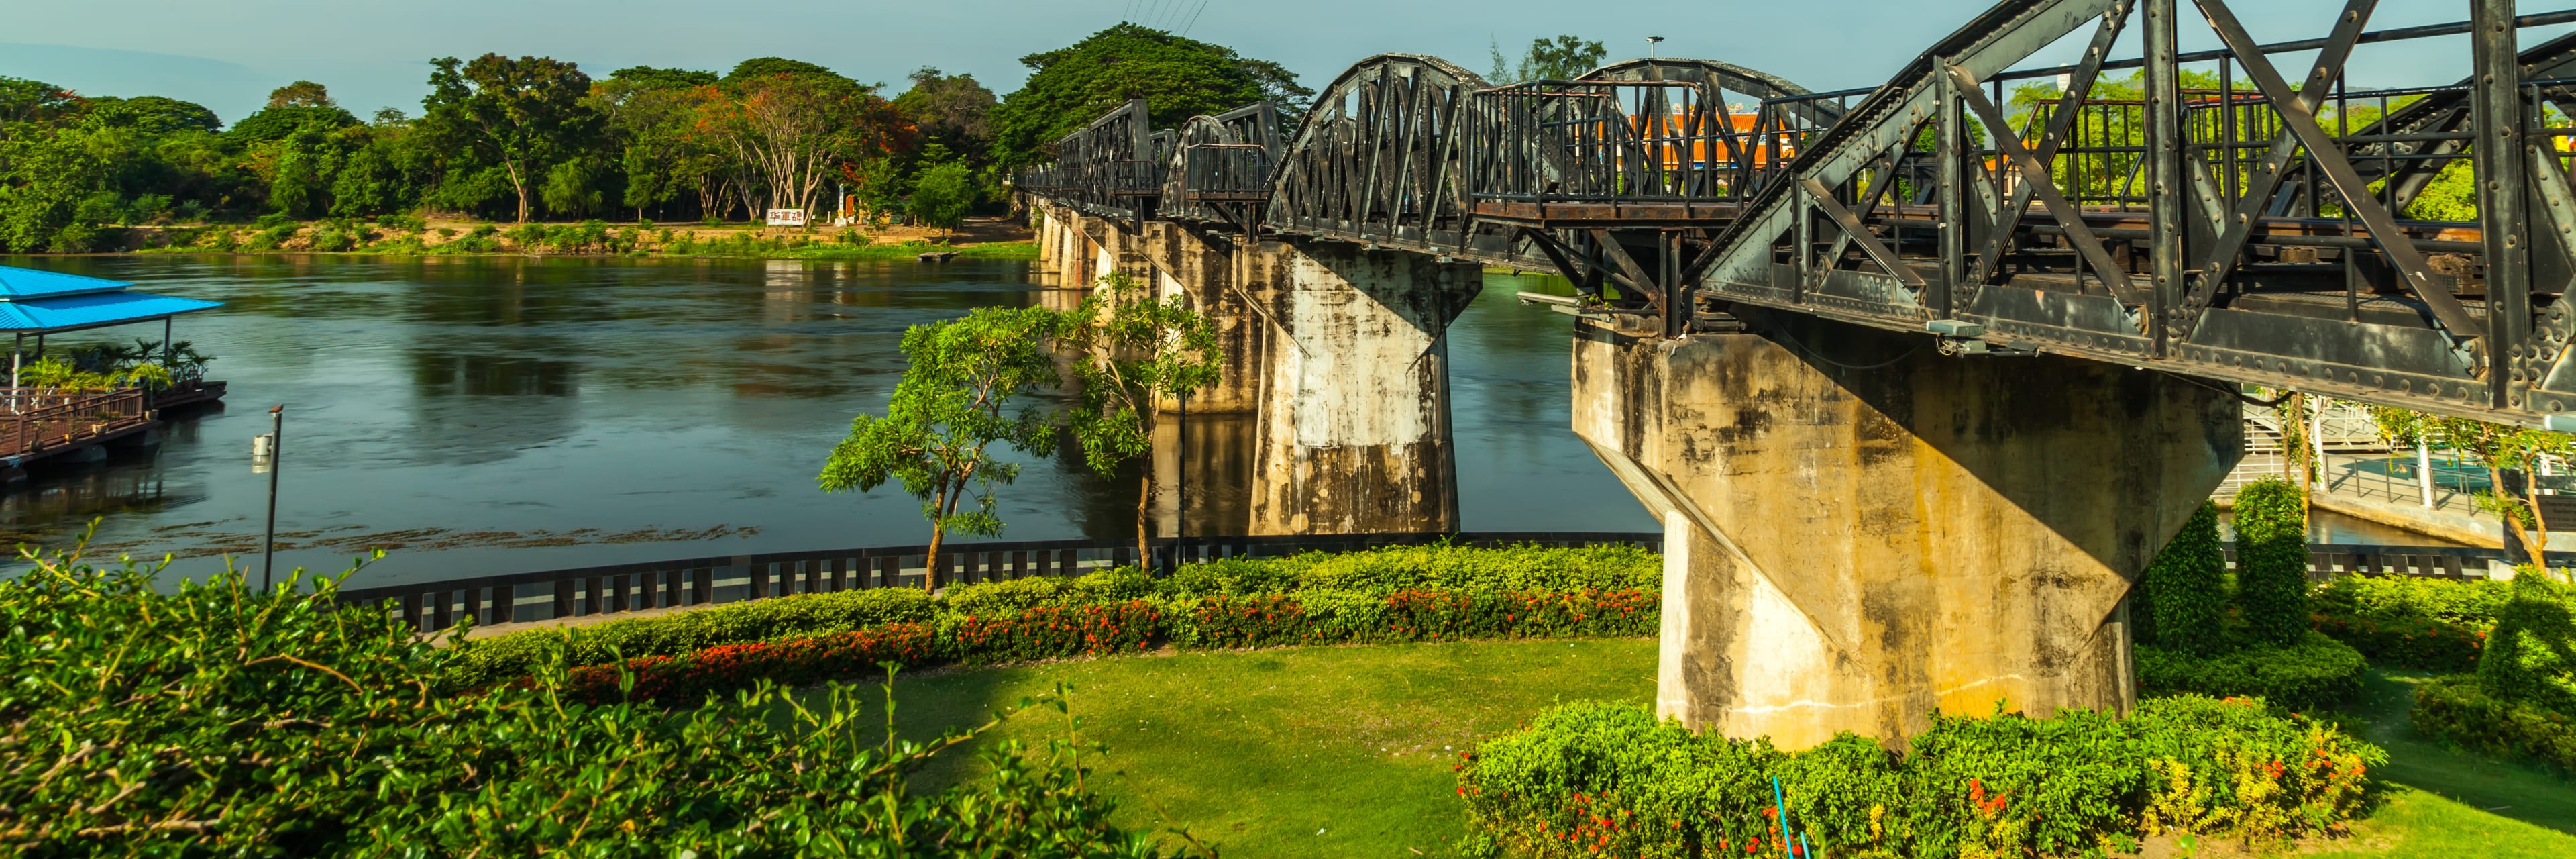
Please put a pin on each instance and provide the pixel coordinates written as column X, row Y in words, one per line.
column 268, row 543
column 1651, row 41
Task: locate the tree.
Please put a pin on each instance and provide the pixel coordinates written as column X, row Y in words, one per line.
column 301, row 94
column 956, row 399
column 1561, row 58
column 521, row 113
column 1131, row 351
column 766, row 67
column 648, row 77
column 1177, row 77
column 942, row 195
column 950, row 110
column 792, row 130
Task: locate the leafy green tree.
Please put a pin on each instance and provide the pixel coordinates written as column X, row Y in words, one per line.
column 960, row 394
column 153, row 115
column 1177, row 77
column 301, row 94
column 790, row 131
column 942, row 195
column 648, row 77
column 2531, row 655
column 953, row 111
column 765, row 67
column 277, row 123
column 1131, row 352
column 577, row 187
column 522, row 113
column 2272, row 560
column 1560, row 58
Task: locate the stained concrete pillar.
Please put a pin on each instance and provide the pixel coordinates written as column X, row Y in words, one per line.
column 1207, row 271
column 1353, row 433
column 1860, row 531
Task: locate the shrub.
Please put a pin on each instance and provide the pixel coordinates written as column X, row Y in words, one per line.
column 804, row 615
column 2317, row 673
column 2272, row 560
column 2425, row 624
column 2457, row 710
column 2531, row 656
column 331, row 241
column 217, row 720
column 1049, row 632
column 2182, row 598
column 1595, row 778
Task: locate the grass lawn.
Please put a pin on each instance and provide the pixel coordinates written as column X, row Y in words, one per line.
column 2453, row 803
column 1320, row 751
column 1346, row 751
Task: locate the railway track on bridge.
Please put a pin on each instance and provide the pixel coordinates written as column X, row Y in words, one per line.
column 2237, row 220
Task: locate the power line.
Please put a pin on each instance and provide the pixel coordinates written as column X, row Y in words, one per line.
column 1194, row 17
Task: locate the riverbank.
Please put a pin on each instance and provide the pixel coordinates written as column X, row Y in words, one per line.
column 979, row 238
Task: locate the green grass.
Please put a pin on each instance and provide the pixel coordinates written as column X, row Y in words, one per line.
column 1323, row 751
column 1346, row 751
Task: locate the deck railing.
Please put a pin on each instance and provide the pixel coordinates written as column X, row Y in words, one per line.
column 615, row 588
column 38, row 418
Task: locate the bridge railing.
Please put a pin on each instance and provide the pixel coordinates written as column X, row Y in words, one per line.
column 621, row 588
column 1554, row 151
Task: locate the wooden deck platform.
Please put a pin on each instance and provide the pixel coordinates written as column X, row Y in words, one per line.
column 38, row 424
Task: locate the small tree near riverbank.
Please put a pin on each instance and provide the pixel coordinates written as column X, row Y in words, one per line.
column 1131, row 350
column 956, row 399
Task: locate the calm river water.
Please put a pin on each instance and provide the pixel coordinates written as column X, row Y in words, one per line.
column 496, row 415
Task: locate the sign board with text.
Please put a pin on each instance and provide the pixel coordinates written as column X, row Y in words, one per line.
column 786, row 217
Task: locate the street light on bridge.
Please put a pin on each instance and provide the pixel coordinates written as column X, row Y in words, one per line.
column 1650, row 45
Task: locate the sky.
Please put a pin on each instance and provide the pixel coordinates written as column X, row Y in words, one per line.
column 372, row 54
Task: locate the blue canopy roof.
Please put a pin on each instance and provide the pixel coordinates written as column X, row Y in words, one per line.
column 23, row 283
column 39, row 301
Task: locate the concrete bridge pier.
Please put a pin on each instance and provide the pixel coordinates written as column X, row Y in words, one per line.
column 1860, row 531
column 1353, row 434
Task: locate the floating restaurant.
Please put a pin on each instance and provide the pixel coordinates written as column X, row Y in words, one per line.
column 59, row 409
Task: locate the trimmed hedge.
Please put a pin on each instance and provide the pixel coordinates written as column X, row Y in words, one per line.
column 2272, row 560
column 2423, row 624
column 2317, row 673
column 2531, row 657
column 1598, row 778
column 2181, row 601
column 1409, row 593
column 1046, row 631
column 515, row 655
column 2457, row 710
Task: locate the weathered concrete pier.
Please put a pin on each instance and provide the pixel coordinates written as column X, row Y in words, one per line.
column 1852, row 549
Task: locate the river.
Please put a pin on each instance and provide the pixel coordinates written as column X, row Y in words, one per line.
column 490, row 415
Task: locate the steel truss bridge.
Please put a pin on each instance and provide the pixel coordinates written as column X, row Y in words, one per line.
column 2234, row 220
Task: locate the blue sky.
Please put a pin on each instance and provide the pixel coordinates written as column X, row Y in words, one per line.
column 227, row 55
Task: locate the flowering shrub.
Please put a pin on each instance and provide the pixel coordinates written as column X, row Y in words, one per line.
column 1595, row 778
column 1050, row 632
column 2457, row 710
column 1409, row 593
column 1262, row 620
column 689, row 677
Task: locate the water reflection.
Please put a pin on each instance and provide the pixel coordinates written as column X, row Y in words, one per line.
column 494, row 415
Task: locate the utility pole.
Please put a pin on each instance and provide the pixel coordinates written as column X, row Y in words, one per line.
column 268, row 543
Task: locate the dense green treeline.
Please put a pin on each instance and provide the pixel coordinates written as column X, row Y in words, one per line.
column 536, row 138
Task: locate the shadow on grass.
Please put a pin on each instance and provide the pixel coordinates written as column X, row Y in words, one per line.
column 2504, row 788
